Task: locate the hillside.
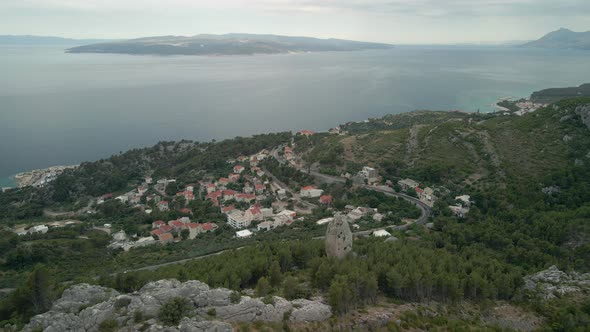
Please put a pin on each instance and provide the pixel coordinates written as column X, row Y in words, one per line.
column 514, row 260
column 228, row 44
column 563, row 39
column 556, row 94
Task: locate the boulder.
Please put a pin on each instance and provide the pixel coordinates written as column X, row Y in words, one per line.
column 552, row 282
column 338, row 238
column 81, row 295
column 310, row 311
column 192, row 325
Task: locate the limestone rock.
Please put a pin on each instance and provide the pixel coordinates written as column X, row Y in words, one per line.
column 552, row 282
column 338, row 238
column 584, row 112
column 310, row 311
column 81, row 295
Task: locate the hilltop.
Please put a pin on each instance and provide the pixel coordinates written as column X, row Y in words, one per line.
column 228, row 44
column 563, row 39
column 556, row 94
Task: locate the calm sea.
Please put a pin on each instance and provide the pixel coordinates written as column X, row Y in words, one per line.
column 61, row 109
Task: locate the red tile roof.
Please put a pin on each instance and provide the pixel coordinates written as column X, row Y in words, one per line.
column 178, row 224
column 166, row 228
column 193, row 225
column 326, row 199
column 229, row 192
column 157, row 232
column 228, row 208
column 165, row 237
column 308, row 188
column 255, row 210
column 159, row 223
column 105, row 196
column 209, row 226
column 163, row 203
column 186, row 210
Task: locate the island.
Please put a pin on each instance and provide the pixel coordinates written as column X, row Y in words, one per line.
column 228, row 44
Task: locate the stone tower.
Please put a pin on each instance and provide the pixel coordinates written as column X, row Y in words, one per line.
column 338, row 238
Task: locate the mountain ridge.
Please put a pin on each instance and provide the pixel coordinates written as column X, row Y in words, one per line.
column 562, row 39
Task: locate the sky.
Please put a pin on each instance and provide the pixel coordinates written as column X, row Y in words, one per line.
column 390, row 21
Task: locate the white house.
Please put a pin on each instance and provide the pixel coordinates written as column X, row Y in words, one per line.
column 407, row 184
column 243, row 234
column 38, row 229
column 311, row 191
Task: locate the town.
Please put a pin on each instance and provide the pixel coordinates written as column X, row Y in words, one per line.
column 252, row 201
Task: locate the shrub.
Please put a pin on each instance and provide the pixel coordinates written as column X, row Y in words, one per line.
column 108, row 325
column 212, row 312
column 172, row 311
column 235, row 297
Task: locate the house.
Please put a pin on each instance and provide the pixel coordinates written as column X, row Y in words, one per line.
column 223, row 181
column 234, row 177
column 185, row 220
column 381, row 233
column 120, row 236
column 282, row 193
column 208, row 227
column 238, row 219
column 310, row 191
column 148, row 180
column 242, row 158
column 306, row 133
column 326, row 199
column 194, row 229
column 248, row 189
column 265, row 225
column 165, row 238
column 142, row 190
column 228, row 209
column 157, row 224
column 243, row 234
column 166, row 229
column 290, row 215
column 106, row 196
column 211, row 188
column 239, row 169
column 163, row 206
column 245, row 197
column 458, row 210
column 229, row 194
column 177, row 225
column 254, row 213
column 152, row 197
column 260, row 173
column 157, row 232
column 260, row 188
column 186, row 211
column 324, row 221
column 407, row 184
column 368, row 173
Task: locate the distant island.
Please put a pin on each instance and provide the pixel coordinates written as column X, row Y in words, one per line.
column 228, row 44
column 563, row 39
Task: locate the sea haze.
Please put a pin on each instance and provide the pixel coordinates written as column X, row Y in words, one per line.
column 60, row 109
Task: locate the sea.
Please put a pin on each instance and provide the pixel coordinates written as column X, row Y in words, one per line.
column 61, row 109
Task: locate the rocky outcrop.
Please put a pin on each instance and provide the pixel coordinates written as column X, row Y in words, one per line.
column 84, row 307
column 338, row 237
column 583, row 111
column 552, row 282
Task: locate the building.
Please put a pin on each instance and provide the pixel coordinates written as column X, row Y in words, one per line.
column 157, row 224
column 238, row 220
column 243, row 234
column 326, row 199
column 282, row 193
column 239, row 169
column 254, row 213
column 464, row 199
column 163, row 206
column 311, row 192
column 265, row 226
column 368, row 173
column 260, row 188
column 38, row 229
column 165, row 238
column 229, row 194
column 194, row 229
column 307, row 133
column 407, row 184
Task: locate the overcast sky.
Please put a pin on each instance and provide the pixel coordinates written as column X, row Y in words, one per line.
column 392, row 21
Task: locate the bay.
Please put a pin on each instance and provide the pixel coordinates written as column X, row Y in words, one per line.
column 60, row 109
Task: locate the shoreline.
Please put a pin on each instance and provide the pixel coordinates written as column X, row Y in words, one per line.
column 39, row 177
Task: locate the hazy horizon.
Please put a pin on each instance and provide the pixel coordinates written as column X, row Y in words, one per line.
column 388, row 21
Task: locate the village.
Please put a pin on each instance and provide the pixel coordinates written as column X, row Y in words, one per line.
column 251, row 200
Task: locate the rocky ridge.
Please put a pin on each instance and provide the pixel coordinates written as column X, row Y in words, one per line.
column 85, row 307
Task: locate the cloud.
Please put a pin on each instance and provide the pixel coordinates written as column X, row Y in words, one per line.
column 426, row 8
